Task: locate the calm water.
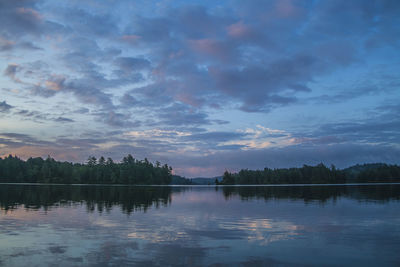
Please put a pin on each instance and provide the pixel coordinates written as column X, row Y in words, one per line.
column 196, row 226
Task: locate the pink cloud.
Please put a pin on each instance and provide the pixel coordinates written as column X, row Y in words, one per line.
column 55, row 83
column 210, row 47
column 131, row 38
column 29, row 13
column 286, row 9
column 238, row 30
column 189, row 99
column 26, row 152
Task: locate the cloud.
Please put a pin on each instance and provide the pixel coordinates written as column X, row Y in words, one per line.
column 62, row 119
column 190, row 79
column 5, row 44
column 89, row 24
column 11, row 72
column 374, row 84
column 261, row 88
column 179, row 114
column 18, row 140
column 342, row 155
column 129, row 101
column 131, row 64
column 118, row 119
column 55, row 83
column 41, row 117
column 214, row 137
column 4, row 107
column 20, row 17
column 50, row 86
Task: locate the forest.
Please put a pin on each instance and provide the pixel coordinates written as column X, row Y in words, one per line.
column 142, row 172
column 319, row 174
column 101, row 171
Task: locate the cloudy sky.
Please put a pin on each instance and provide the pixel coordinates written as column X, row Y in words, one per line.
column 202, row 85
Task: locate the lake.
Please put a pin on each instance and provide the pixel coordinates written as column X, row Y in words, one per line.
column 61, row 225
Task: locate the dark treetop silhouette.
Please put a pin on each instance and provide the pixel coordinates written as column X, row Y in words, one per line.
column 129, row 171
column 320, row 174
column 143, row 172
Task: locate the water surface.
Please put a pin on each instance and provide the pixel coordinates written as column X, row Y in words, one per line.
column 199, row 226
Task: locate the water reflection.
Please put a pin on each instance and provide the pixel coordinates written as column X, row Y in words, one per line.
column 140, row 198
column 197, row 226
column 319, row 193
column 100, row 198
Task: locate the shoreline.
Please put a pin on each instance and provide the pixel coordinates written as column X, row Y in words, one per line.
column 214, row 185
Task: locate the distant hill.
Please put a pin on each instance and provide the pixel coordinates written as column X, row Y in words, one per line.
column 372, row 172
column 205, row 181
column 179, row 180
column 357, row 169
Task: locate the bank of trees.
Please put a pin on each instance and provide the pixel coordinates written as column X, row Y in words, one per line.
column 94, row 171
column 319, row 174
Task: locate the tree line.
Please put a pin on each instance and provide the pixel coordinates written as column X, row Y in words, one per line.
column 143, row 172
column 94, row 171
column 319, row 174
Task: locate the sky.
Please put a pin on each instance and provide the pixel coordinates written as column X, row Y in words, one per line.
column 204, row 86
